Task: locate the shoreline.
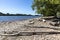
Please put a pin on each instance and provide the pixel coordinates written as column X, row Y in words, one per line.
column 17, row 25
column 29, row 29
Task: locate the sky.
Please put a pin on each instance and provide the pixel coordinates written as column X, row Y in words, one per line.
column 16, row 6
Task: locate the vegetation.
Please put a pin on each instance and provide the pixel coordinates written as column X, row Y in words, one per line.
column 46, row 7
column 8, row 14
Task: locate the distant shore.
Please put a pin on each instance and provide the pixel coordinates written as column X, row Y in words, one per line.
column 17, row 14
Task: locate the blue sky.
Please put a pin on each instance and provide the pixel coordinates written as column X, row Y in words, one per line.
column 16, row 6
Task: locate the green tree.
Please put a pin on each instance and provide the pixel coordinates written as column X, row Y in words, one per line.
column 46, row 7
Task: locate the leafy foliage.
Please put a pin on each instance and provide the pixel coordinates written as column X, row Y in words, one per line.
column 46, row 7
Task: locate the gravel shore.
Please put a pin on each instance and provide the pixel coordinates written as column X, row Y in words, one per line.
column 31, row 25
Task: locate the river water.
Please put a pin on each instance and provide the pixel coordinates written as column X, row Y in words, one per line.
column 14, row 18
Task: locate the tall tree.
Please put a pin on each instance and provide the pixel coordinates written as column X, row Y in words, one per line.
column 46, row 7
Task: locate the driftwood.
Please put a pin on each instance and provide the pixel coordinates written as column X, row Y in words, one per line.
column 55, row 24
column 29, row 33
column 2, row 34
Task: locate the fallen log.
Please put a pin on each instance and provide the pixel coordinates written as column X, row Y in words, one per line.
column 29, row 33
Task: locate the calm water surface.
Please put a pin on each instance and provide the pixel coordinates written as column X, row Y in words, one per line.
column 14, row 18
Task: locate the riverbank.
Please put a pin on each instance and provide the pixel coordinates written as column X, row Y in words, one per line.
column 23, row 25
column 31, row 25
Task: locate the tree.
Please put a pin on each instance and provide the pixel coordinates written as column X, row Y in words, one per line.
column 7, row 14
column 1, row 13
column 46, row 7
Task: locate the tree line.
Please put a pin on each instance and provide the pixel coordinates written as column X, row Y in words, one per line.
column 8, row 14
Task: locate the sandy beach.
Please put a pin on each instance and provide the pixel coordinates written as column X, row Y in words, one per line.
column 31, row 25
